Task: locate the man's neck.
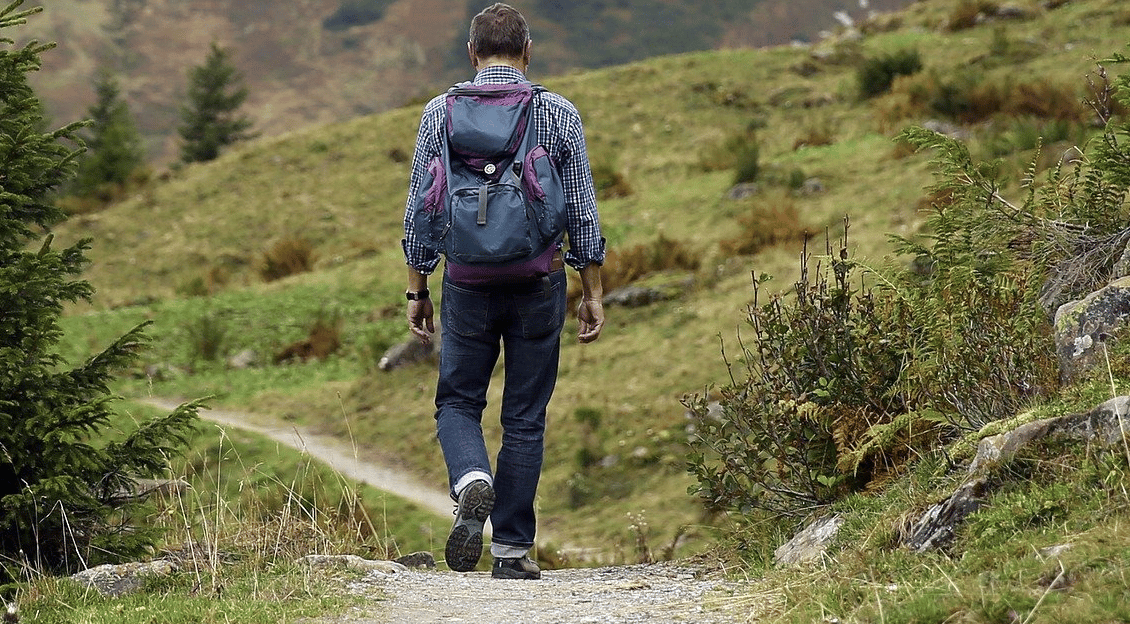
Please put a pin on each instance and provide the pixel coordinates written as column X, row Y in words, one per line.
column 496, row 61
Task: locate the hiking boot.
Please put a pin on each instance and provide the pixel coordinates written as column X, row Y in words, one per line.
column 465, row 544
column 519, row 568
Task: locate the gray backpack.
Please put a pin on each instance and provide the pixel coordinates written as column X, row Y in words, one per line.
column 493, row 202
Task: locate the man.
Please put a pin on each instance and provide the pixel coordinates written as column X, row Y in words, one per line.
column 526, row 318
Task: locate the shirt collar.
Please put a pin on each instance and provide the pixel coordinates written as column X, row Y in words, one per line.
column 498, row 74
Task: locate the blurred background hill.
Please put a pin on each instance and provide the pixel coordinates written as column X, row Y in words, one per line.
column 319, row 61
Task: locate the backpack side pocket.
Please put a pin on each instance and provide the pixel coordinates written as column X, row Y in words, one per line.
column 546, row 193
column 428, row 214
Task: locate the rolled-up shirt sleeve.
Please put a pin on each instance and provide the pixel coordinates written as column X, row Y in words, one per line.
column 416, row 255
column 582, row 222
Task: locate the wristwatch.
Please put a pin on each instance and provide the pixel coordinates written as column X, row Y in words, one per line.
column 417, row 295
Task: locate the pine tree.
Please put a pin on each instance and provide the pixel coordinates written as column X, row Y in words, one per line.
column 60, row 477
column 113, row 144
column 210, row 120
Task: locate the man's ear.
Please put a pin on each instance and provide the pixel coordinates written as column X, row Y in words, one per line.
column 526, row 53
column 471, row 55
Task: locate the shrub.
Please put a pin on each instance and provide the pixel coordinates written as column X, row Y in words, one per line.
column 609, row 182
column 845, row 384
column 767, row 223
column 624, row 266
column 289, row 256
column 207, row 337
column 814, row 133
column 968, row 13
column 740, row 152
column 875, row 75
column 748, row 163
column 970, row 98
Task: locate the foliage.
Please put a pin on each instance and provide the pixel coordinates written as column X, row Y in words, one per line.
column 112, row 142
column 289, row 256
column 769, row 222
column 210, row 119
column 875, row 75
column 967, row 13
column 609, row 182
column 61, row 495
column 844, row 385
column 624, row 266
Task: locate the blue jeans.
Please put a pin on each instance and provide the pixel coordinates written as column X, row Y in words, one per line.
column 526, row 319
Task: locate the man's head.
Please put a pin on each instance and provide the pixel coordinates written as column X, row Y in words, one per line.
column 499, row 32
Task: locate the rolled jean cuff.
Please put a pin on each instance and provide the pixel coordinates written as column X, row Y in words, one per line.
column 505, row 551
column 469, row 478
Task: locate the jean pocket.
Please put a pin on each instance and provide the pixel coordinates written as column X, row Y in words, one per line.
column 464, row 311
column 543, row 312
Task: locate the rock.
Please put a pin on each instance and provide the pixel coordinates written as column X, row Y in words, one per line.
column 742, row 191
column 936, row 528
column 118, row 580
column 352, row 562
column 422, row 559
column 1105, row 425
column 635, row 296
column 1053, row 552
column 1122, row 266
column 809, row 545
column 243, row 360
column 411, row 351
column 812, row 186
column 142, row 488
column 1082, row 326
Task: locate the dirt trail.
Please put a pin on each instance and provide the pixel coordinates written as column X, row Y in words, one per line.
column 333, row 452
column 659, row 593
column 640, row 594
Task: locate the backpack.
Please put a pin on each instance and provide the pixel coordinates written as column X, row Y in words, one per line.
column 492, row 203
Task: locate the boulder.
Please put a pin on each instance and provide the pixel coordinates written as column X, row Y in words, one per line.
column 1105, row 425
column 411, row 351
column 119, row 580
column 809, row 545
column 417, row 560
column 1082, row 327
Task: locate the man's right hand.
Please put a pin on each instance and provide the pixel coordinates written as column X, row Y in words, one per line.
column 420, row 319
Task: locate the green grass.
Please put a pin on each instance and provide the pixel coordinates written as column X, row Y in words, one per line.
column 244, row 593
column 342, row 188
column 999, row 569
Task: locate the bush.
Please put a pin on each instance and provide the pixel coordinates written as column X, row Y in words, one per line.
column 845, row 384
column 609, row 182
column 207, row 337
column 875, row 75
column 622, row 267
column 289, row 256
column 970, row 98
column 768, row 223
column 968, row 13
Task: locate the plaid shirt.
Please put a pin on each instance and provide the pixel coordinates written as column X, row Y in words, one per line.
column 559, row 130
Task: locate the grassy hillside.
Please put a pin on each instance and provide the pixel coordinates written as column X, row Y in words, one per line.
column 186, row 252
column 321, row 61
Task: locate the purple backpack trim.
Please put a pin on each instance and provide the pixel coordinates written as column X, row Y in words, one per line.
column 529, row 270
column 433, row 199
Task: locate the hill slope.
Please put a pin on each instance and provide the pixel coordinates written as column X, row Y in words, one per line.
column 666, row 127
column 318, row 61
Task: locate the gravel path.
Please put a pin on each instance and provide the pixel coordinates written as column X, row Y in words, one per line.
column 652, row 594
column 659, row 593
